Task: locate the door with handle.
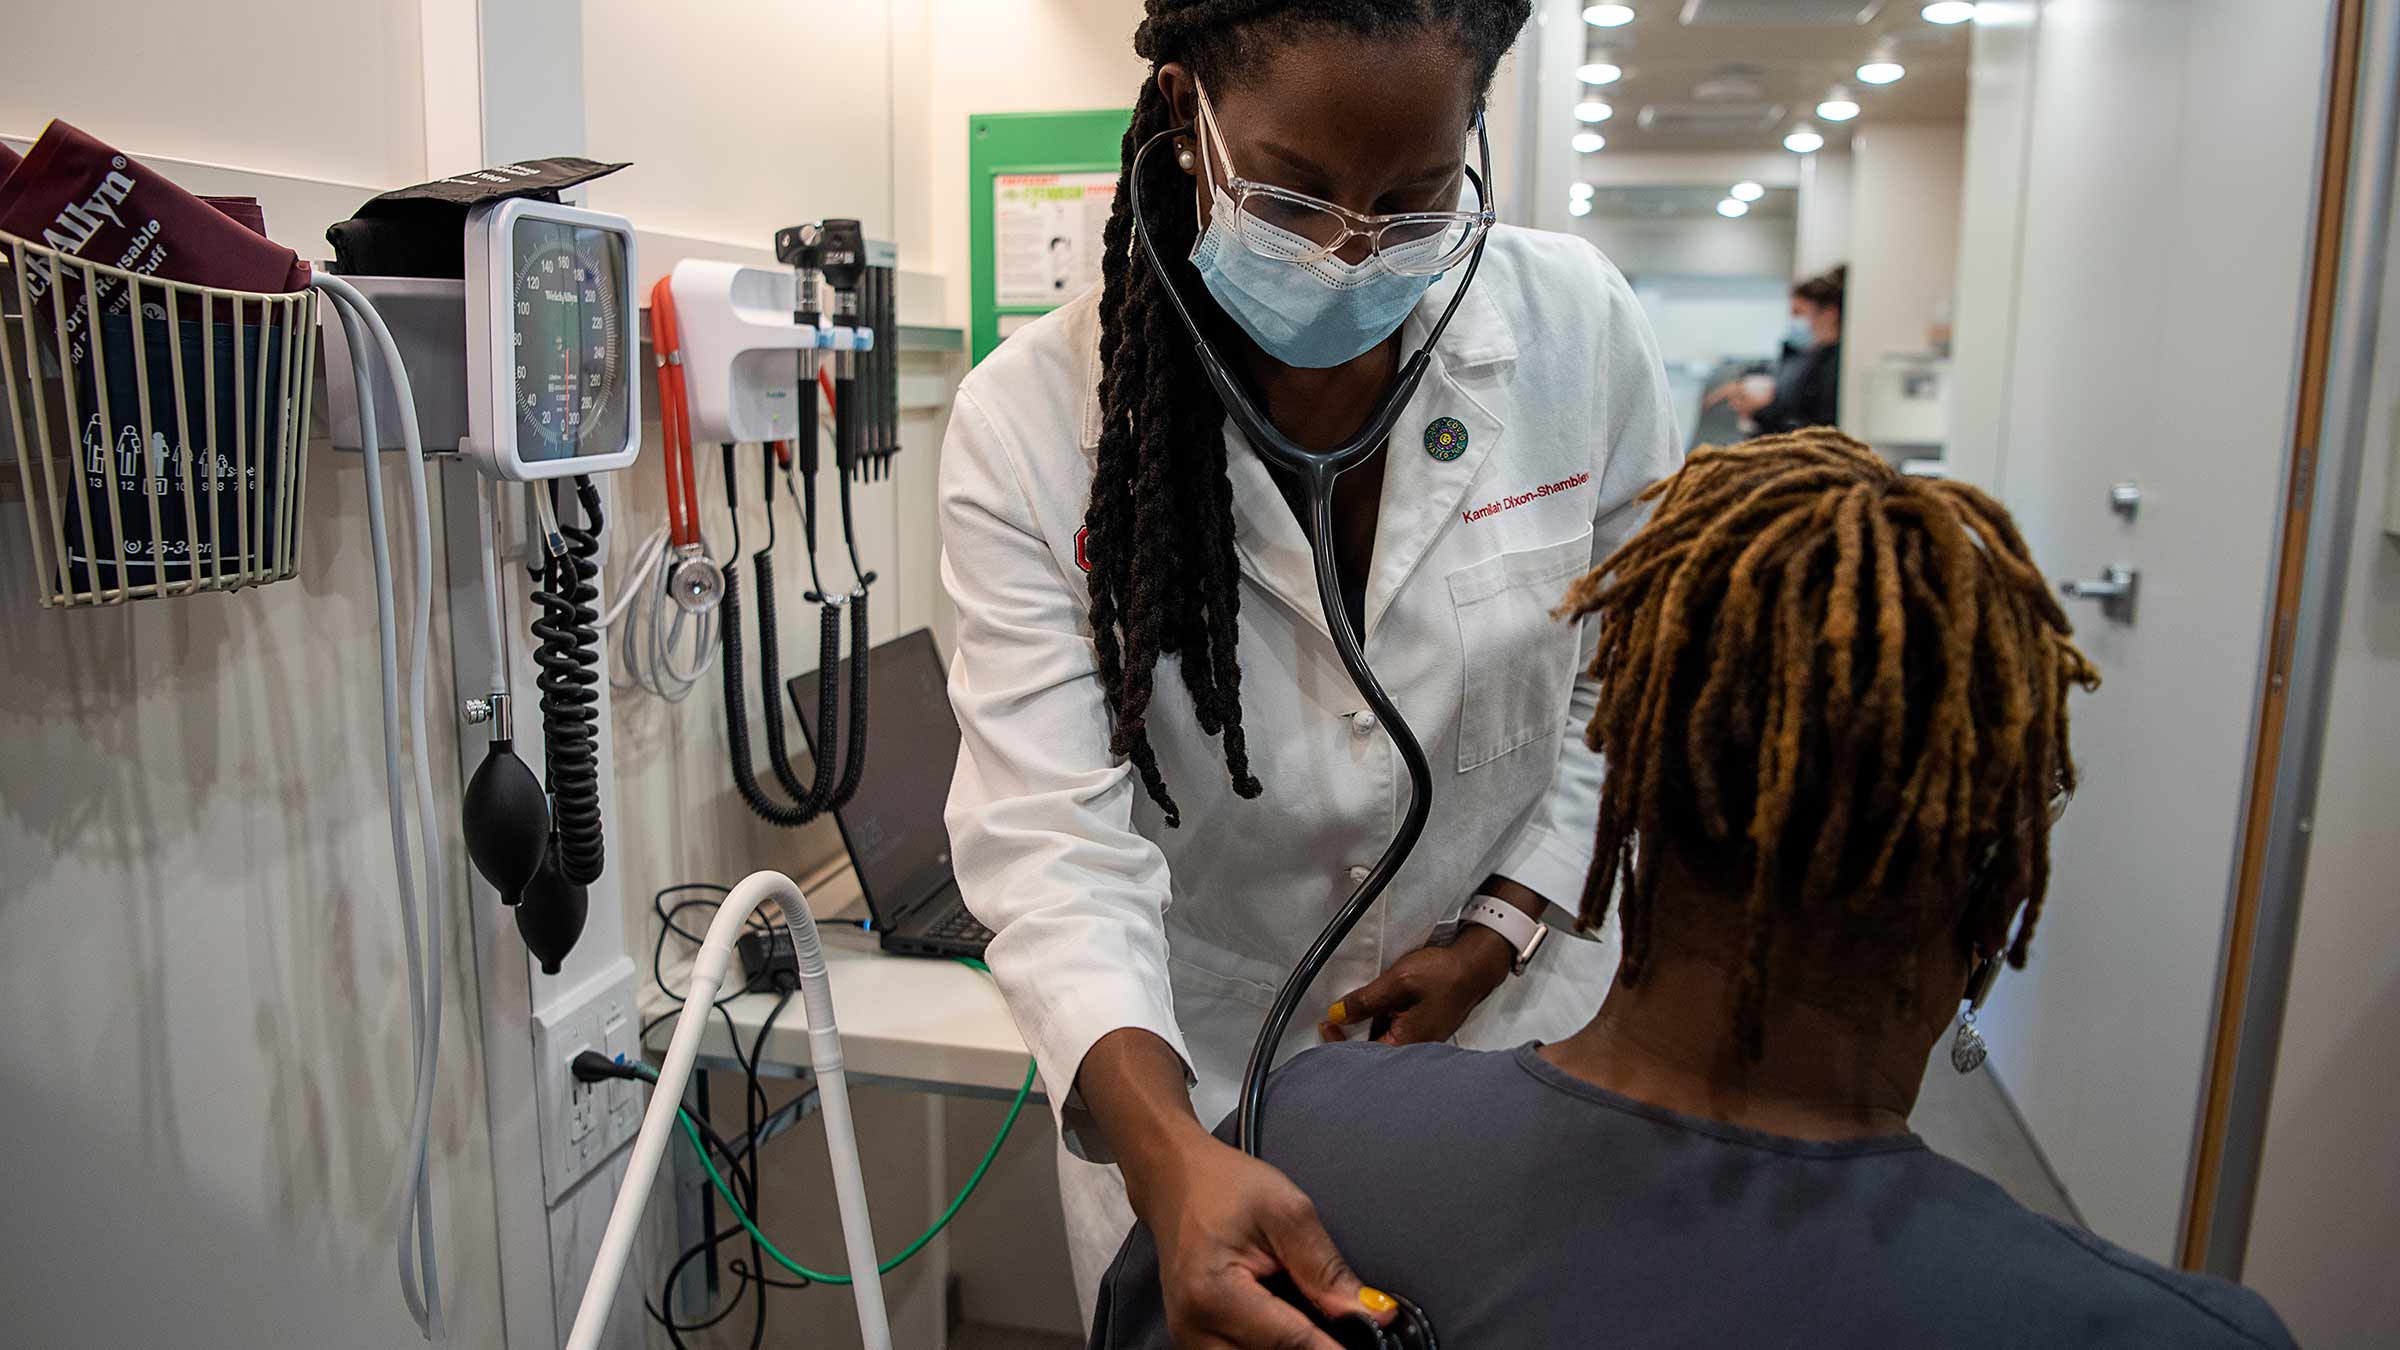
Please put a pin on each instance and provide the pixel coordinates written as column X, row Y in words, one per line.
column 2162, row 265
column 2115, row 590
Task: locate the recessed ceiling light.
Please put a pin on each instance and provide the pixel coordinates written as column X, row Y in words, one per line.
column 1881, row 72
column 1599, row 72
column 1730, row 209
column 1747, row 191
column 1804, row 140
column 1581, row 206
column 1837, row 110
column 1579, row 191
column 1589, row 142
column 1948, row 11
column 1608, row 16
column 1593, row 110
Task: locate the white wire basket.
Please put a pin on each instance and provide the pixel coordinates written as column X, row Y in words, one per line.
column 159, row 427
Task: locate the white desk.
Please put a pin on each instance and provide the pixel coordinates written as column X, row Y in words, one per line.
column 936, row 1025
column 906, row 1021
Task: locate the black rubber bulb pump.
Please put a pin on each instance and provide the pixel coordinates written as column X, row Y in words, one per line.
column 550, row 914
column 506, row 820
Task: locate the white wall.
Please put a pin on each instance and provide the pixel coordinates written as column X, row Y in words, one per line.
column 2327, row 1216
column 1904, row 214
column 1823, row 230
column 203, row 969
column 1004, row 56
column 1999, row 113
column 209, row 1031
column 1752, row 246
column 741, row 116
column 225, row 83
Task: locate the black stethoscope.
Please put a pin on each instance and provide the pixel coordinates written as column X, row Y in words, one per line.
column 1317, row 471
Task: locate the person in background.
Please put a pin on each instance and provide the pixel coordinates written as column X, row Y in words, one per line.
column 1808, row 377
column 1833, row 702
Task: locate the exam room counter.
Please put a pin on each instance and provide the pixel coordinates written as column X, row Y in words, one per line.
column 905, row 1020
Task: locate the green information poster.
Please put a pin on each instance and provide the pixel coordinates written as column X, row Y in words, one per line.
column 1039, row 190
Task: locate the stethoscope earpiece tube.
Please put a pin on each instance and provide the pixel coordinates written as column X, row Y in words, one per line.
column 1317, row 471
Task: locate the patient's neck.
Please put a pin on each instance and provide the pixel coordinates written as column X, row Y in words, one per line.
column 1828, row 1074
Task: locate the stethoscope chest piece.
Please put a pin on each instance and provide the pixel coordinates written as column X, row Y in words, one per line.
column 697, row 584
column 1410, row 1330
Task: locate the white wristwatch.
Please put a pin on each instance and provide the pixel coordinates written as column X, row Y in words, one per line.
column 1521, row 931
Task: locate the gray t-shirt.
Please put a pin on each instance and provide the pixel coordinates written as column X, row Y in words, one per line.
column 1523, row 1207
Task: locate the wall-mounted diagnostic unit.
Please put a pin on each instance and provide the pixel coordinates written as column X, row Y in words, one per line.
column 551, row 387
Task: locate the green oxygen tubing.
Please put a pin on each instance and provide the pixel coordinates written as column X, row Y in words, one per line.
column 659, row 1119
column 691, row 1131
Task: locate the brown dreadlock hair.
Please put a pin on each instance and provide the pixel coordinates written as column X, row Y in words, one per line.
column 1164, row 579
column 1843, row 689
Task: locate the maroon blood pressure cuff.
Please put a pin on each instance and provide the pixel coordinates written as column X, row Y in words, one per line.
column 83, row 197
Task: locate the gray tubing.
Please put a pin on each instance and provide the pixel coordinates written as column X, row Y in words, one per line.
column 422, row 945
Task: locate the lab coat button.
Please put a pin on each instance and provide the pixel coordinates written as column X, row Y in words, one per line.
column 1357, row 875
column 1362, row 722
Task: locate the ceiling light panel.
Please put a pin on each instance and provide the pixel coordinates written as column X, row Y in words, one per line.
column 1782, row 13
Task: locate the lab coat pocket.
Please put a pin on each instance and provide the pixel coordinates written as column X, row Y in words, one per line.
column 1518, row 663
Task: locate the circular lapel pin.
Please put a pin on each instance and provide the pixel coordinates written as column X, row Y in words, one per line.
column 1445, row 438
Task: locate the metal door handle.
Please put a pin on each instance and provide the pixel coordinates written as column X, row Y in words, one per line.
column 2117, row 588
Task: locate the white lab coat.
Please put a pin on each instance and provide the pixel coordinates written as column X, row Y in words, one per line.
column 1108, row 919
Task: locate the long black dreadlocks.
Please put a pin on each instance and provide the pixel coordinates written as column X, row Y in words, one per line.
column 1164, row 579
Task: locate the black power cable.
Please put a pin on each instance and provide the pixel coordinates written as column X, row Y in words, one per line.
column 592, row 1067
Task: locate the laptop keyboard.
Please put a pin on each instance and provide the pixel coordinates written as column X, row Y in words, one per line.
column 959, row 926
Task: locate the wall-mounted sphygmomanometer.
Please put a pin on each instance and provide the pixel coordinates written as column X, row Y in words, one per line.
column 518, row 315
column 551, row 387
column 551, row 395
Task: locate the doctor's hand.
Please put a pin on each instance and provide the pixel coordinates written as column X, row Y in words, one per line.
column 1427, row 994
column 1225, row 1223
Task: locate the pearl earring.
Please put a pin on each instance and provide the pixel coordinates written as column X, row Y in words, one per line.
column 1184, row 158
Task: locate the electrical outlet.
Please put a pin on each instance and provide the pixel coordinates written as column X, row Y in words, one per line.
column 621, row 1101
column 582, row 1124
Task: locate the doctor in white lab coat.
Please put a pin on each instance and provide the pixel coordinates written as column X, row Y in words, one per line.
column 1139, row 957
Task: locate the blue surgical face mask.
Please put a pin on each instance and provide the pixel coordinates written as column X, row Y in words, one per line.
column 1308, row 315
column 1801, row 336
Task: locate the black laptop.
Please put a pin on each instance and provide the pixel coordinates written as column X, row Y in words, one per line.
column 893, row 827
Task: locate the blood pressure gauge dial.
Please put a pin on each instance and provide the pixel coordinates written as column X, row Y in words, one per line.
column 551, row 341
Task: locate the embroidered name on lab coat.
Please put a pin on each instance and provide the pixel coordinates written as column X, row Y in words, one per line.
column 1488, row 508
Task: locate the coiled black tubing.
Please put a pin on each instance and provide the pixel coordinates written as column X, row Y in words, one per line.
column 568, row 651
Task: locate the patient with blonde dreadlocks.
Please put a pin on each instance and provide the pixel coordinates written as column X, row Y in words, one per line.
column 1834, row 711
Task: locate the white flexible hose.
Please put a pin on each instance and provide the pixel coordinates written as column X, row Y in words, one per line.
column 487, row 512
column 422, row 927
column 659, row 1125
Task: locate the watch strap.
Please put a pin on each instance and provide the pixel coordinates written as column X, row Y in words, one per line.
column 1522, row 932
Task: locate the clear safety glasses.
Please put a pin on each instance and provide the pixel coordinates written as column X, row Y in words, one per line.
column 1294, row 227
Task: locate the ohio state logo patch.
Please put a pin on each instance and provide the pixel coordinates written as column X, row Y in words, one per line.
column 1083, row 549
